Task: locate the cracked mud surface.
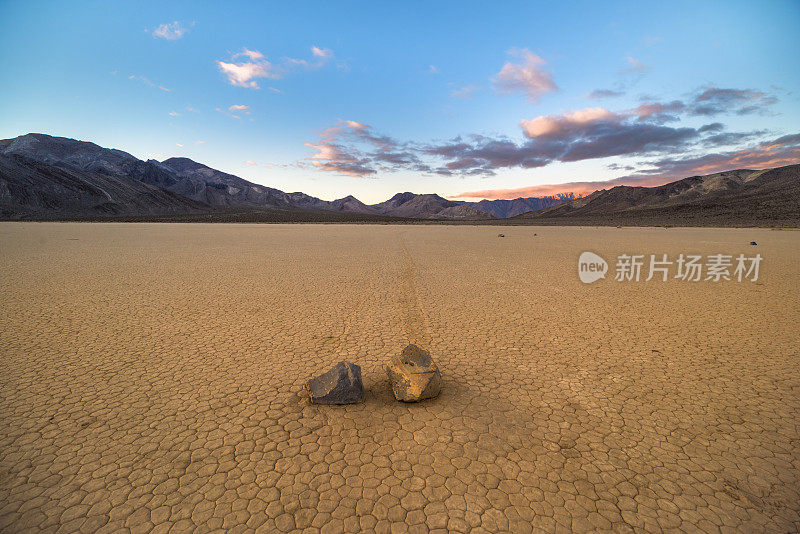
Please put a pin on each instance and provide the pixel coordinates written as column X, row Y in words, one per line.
column 151, row 378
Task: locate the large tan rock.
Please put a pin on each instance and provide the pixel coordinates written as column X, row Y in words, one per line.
column 413, row 375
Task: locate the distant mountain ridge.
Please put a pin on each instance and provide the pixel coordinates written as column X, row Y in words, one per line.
column 742, row 196
column 39, row 158
column 46, row 177
column 502, row 209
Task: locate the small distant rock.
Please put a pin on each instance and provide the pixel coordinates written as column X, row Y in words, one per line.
column 414, row 376
column 501, row 235
column 753, row 243
column 341, row 385
column 534, row 235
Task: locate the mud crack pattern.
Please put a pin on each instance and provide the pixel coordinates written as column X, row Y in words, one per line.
column 151, row 379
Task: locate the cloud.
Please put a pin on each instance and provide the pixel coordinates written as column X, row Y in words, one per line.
column 190, row 109
column 147, row 82
column 252, row 65
column 708, row 102
column 634, row 65
column 464, row 91
column 352, row 148
column 433, row 69
column 178, row 145
column 527, row 76
column 577, row 188
column 713, row 101
column 238, row 107
column 245, row 73
column 174, row 114
column 200, row 142
column 356, row 149
column 322, row 53
column 784, row 150
column 249, row 163
column 566, row 123
column 253, row 55
column 170, row 31
column 605, row 93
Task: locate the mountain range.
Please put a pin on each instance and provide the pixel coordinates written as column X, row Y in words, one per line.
column 739, row 197
column 45, row 177
column 42, row 176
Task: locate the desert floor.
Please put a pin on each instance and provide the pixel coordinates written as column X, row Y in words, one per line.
column 151, row 377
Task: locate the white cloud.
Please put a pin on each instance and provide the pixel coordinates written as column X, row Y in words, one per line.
column 249, row 163
column 245, row 67
column 324, row 53
column 245, row 73
column 464, row 91
column 238, row 107
column 527, row 76
column 433, row 69
column 147, row 82
column 170, row 31
column 174, row 114
column 178, row 145
column 254, row 55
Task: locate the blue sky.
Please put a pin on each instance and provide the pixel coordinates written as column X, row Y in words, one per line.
column 494, row 99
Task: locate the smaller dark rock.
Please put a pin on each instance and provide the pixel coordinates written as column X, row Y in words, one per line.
column 534, row 235
column 753, row 243
column 501, row 235
column 341, row 385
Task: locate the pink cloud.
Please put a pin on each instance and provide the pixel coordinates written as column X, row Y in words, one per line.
column 578, row 188
column 356, row 125
column 324, row 53
column 766, row 155
column 634, row 65
column 546, row 125
column 245, row 73
column 527, row 76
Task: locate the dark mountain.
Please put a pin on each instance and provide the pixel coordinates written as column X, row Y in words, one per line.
column 198, row 182
column 64, row 152
column 502, row 209
column 427, row 207
column 30, row 189
column 350, row 204
column 741, row 197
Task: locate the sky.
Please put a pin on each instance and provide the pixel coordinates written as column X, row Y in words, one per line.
column 465, row 99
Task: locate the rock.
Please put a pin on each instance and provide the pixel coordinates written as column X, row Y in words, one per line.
column 753, row 243
column 341, row 385
column 413, row 375
column 501, row 235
